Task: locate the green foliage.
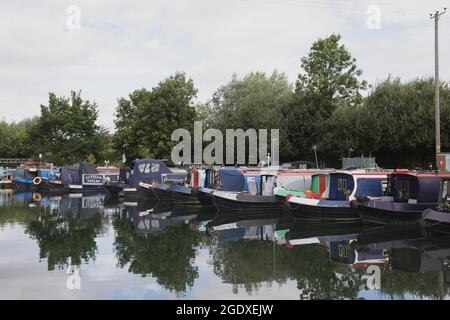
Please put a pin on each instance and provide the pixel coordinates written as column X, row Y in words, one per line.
column 395, row 124
column 67, row 129
column 17, row 140
column 330, row 76
column 145, row 121
column 64, row 238
column 254, row 101
column 168, row 256
column 330, row 80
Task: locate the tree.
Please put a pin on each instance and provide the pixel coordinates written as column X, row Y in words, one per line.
column 255, row 101
column 395, row 124
column 145, row 121
column 330, row 80
column 17, row 140
column 168, row 256
column 67, row 129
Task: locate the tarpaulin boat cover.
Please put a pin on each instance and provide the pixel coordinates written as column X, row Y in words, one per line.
column 297, row 183
column 231, row 179
column 147, row 171
column 73, row 174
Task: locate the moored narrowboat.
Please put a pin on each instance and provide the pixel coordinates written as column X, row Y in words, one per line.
column 408, row 194
column 340, row 200
column 227, row 179
column 260, row 199
column 83, row 177
column 6, row 179
column 142, row 171
column 438, row 219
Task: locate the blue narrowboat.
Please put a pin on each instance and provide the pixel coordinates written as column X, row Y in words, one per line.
column 438, row 219
column 341, row 198
column 408, row 195
column 34, row 178
column 142, row 172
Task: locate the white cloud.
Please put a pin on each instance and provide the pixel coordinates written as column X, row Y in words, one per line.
column 124, row 46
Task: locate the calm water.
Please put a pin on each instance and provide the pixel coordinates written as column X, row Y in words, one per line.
column 92, row 247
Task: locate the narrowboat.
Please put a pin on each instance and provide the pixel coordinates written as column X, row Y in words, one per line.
column 159, row 190
column 438, row 219
column 186, row 194
column 261, row 199
column 224, row 179
column 6, row 179
column 142, row 172
column 84, row 177
column 311, row 186
column 408, row 195
column 34, row 178
column 340, row 200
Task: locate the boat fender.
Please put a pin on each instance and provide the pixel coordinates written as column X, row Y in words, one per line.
column 354, row 204
column 37, row 197
column 37, row 181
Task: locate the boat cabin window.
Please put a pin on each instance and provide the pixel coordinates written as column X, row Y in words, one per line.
column 445, row 195
column 342, row 184
column 155, row 167
column 142, row 167
column 384, row 187
column 403, row 189
column 149, row 167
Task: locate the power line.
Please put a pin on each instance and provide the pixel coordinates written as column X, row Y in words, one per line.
column 385, row 7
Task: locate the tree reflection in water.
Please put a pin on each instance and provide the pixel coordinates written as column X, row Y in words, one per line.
column 66, row 231
column 167, row 255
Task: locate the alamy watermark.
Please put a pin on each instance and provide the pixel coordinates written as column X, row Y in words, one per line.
column 73, row 281
column 373, row 21
column 73, row 21
column 235, row 142
column 373, row 277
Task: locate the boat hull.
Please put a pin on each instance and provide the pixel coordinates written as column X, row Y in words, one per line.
column 24, row 184
column 242, row 202
column 324, row 213
column 85, row 188
column 147, row 193
column 183, row 196
column 392, row 213
column 162, row 192
column 205, row 198
column 436, row 221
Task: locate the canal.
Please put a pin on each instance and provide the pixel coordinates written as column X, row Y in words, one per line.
column 93, row 247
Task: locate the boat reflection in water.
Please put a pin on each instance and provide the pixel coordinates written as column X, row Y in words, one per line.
column 195, row 252
column 65, row 227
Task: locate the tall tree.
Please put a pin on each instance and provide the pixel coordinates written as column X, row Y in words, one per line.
column 145, row 121
column 254, row 101
column 67, row 129
column 17, row 139
column 395, row 124
column 330, row 79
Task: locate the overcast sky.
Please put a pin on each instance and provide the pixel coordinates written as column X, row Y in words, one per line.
column 125, row 45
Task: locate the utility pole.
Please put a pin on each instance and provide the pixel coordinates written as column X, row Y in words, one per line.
column 315, row 155
column 436, row 16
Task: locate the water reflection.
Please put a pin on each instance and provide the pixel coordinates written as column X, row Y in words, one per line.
column 158, row 242
column 195, row 252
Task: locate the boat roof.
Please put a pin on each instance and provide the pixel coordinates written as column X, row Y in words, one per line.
column 422, row 174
